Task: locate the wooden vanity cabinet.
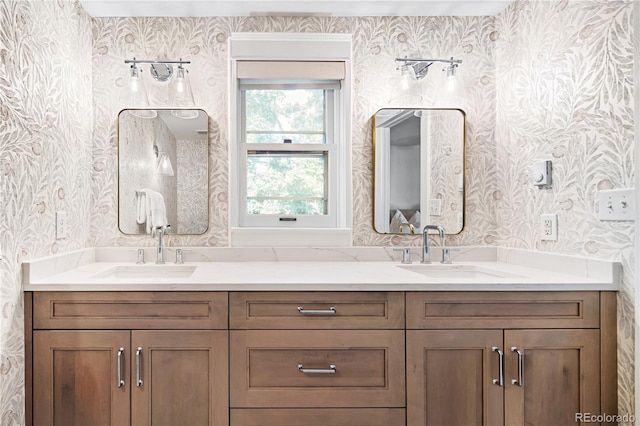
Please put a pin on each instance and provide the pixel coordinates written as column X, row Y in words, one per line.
column 371, row 358
column 558, row 357
column 317, row 358
column 105, row 358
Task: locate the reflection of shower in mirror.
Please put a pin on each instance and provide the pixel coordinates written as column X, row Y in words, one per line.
column 167, row 155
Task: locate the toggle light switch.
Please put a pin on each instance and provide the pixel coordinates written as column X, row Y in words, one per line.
column 616, row 204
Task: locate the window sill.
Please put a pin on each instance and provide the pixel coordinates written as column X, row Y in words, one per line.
column 278, row 237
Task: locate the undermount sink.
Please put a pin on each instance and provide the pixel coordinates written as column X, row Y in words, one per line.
column 456, row 271
column 150, row 271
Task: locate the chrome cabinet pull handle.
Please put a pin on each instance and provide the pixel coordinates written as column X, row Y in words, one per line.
column 120, row 380
column 330, row 370
column 330, row 311
column 138, row 356
column 500, row 381
column 520, row 380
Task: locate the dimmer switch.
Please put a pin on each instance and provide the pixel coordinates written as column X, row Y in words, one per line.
column 541, row 174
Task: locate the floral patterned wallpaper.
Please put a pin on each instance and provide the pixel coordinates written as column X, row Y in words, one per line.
column 191, row 169
column 545, row 79
column 45, row 158
column 566, row 87
column 377, row 41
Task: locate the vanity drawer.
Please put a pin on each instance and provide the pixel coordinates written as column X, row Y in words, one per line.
column 126, row 310
column 460, row 310
column 341, row 368
column 316, row 310
column 318, row 417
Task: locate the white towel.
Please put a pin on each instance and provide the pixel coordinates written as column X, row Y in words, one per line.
column 156, row 210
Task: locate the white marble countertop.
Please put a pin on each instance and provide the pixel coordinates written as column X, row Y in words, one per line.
column 352, row 269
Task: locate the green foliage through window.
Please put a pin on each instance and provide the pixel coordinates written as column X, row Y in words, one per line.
column 274, row 115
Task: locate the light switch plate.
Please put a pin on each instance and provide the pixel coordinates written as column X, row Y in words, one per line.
column 616, row 204
column 435, row 207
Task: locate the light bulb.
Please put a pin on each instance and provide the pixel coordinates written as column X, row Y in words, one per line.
column 180, row 84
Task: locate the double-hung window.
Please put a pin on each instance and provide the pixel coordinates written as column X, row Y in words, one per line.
column 292, row 150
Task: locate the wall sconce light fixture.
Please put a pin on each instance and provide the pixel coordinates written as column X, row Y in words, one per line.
column 162, row 71
column 164, row 163
column 421, row 66
column 452, row 91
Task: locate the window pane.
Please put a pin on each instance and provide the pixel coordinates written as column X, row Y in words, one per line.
column 286, row 183
column 274, row 115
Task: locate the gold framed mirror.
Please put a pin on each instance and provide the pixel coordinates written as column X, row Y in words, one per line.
column 419, row 164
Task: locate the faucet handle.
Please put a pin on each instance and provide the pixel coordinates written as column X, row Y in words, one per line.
column 446, row 255
column 179, row 253
column 406, row 254
column 140, row 252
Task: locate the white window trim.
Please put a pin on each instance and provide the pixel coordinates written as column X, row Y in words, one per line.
column 293, row 47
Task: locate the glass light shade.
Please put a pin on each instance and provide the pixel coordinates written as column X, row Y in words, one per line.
column 135, row 95
column 452, row 92
column 164, row 165
column 180, row 93
column 408, row 90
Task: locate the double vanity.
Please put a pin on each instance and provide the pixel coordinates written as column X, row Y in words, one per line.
column 319, row 336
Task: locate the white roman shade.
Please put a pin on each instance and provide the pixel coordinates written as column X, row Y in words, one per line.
column 291, row 70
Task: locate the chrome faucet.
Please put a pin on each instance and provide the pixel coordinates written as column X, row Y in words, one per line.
column 159, row 231
column 426, row 253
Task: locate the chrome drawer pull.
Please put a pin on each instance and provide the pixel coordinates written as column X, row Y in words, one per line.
column 330, row 311
column 520, row 380
column 138, row 356
column 120, row 380
column 500, row 381
column 330, row 370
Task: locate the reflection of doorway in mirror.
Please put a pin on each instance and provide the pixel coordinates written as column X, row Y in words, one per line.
column 419, row 169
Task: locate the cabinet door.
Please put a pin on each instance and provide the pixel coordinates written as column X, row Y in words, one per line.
column 180, row 378
column 78, row 378
column 560, row 376
column 450, row 377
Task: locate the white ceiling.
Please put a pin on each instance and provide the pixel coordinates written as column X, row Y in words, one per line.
column 185, row 129
column 204, row 8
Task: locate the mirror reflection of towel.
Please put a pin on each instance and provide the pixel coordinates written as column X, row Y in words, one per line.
column 156, row 210
column 141, row 207
column 397, row 220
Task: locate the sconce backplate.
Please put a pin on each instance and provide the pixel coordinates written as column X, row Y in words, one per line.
column 161, row 72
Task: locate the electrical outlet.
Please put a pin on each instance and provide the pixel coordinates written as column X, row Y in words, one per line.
column 61, row 225
column 549, row 224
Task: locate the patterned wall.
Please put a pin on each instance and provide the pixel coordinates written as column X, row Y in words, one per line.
column 191, row 169
column 376, row 41
column 566, row 87
column 45, row 158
